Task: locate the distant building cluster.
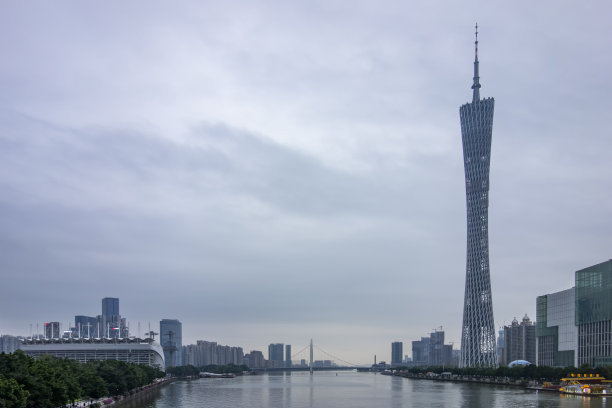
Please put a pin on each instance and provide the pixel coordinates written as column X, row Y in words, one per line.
column 431, row 351
column 103, row 337
column 109, row 324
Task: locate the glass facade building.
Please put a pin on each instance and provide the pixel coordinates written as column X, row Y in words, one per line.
column 171, row 340
column 478, row 330
column 556, row 332
column 574, row 326
column 112, row 325
column 594, row 314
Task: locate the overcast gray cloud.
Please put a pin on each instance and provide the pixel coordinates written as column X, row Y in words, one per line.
column 273, row 172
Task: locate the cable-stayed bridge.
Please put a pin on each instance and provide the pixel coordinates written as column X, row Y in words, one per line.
column 314, row 358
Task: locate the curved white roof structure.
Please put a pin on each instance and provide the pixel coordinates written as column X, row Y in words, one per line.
column 139, row 351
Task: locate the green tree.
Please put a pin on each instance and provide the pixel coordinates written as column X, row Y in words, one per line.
column 12, row 394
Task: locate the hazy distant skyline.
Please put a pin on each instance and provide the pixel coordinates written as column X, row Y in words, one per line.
column 274, row 172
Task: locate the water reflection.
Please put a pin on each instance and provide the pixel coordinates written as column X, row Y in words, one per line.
column 473, row 395
column 347, row 389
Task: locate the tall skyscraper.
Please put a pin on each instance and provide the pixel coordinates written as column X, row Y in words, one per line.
column 478, row 331
column 110, row 306
column 397, row 350
column 113, row 325
column 171, row 340
column 275, row 355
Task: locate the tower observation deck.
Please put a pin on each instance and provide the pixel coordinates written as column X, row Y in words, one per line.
column 478, row 331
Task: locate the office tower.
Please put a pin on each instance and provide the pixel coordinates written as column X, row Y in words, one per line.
column 52, row 330
column 478, row 331
column 86, row 326
column 110, row 306
column 519, row 341
column 256, row 359
column 275, row 355
column 288, row 356
column 171, row 340
column 556, row 331
column 112, row 324
column 574, row 326
column 594, row 314
column 397, row 350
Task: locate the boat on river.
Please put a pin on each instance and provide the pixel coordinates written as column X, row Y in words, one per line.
column 585, row 384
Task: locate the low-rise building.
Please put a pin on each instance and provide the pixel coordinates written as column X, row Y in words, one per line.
column 139, row 351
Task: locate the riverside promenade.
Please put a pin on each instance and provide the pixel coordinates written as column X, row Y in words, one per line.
column 119, row 400
column 449, row 377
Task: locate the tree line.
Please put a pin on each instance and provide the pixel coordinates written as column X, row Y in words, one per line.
column 51, row 382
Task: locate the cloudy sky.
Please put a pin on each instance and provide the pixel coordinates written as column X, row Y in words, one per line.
column 273, row 171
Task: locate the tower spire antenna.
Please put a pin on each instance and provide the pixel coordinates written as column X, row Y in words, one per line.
column 476, row 86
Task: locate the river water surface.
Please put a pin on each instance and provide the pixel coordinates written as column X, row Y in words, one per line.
column 348, row 389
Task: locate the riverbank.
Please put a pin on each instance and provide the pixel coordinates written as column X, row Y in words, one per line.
column 448, row 377
column 137, row 393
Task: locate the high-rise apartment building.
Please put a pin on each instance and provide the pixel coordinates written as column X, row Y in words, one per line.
column 420, row 352
column 210, row 353
column 519, row 341
column 171, row 340
column 255, row 359
column 478, row 331
column 9, row 344
column 397, row 351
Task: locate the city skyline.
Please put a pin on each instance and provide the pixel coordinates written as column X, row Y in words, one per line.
column 280, row 172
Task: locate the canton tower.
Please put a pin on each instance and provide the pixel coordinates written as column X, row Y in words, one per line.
column 478, row 331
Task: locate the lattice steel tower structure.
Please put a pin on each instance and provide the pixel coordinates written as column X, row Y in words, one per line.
column 478, row 331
